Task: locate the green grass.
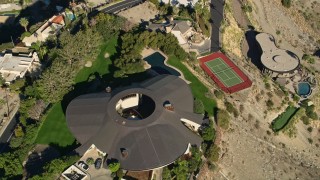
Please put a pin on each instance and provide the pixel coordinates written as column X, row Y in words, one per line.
column 282, row 120
column 197, row 88
column 16, row 12
column 54, row 129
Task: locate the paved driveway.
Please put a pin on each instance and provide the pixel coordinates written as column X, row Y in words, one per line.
column 122, row 5
column 216, row 10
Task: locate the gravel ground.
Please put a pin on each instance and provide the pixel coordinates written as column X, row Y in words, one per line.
column 140, row 13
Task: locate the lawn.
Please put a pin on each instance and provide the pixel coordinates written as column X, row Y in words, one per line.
column 54, row 128
column 282, row 120
column 198, row 89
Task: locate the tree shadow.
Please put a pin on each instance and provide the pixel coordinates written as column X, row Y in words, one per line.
column 317, row 53
column 37, row 160
column 254, row 52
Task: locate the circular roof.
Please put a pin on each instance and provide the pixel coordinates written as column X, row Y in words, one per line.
column 274, row 58
column 155, row 141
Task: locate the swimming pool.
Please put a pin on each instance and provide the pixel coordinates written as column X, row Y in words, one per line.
column 304, row 89
column 156, row 60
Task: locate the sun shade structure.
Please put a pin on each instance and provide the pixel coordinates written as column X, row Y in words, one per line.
column 124, row 125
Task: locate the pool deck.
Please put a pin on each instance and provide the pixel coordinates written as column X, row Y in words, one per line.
column 147, row 52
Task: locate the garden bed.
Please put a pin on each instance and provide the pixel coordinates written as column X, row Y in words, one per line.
column 282, row 120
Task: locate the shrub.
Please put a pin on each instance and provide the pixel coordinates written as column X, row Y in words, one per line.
column 267, row 85
column 286, row 3
column 89, row 161
column 246, row 8
column 198, row 106
column 305, row 120
column 208, row 133
column 269, row 103
column 213, row 153
column 310, row 140
column 218, row 94
column 223, row 119
column 308, row 58
column 114, row 166
column 25, row 34
column 310, row 129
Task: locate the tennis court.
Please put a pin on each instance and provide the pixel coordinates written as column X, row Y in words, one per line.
column 224, row 72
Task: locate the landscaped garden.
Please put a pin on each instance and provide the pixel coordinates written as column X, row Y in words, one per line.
column 198, row 89
column 282, row 120
column 54, row 129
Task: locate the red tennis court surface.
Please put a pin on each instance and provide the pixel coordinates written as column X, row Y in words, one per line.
column 224, row 72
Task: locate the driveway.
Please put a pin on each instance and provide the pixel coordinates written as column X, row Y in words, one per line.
column 216, row 10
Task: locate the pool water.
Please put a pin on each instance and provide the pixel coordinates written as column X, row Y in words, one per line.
column 156, row 60
column 304, row 89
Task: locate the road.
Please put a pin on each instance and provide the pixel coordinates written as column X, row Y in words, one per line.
column 121, row 5
column 216, row 10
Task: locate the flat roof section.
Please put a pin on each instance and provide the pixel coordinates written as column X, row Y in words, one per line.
column 274, row 58
column 149, row 143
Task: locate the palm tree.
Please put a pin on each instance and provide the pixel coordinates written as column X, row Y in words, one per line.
column 24, row 23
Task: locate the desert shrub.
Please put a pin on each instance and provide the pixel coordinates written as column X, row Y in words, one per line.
column 310, row 140
column 286, row 3
column 310, row 129
column 269, row 103
column 308, row 58
column 246, row 8
column 305, row 120
column 223, row 119
column 218, row 94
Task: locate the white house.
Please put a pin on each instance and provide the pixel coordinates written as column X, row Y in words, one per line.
column 13, row 67
column 51, row 27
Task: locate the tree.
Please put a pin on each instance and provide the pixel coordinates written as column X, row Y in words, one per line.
column 24, row 23
column 208, row 133
column 195, row 160
column 181, row 169
column 53, row 169
column 166, row 173
column 198, row 106
column 213, row 153
column 114, row 166
column 18, row 131
column 40, row 48
column 10, row 166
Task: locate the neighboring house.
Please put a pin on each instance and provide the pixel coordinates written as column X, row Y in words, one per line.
column 16, row 66
column 51, row 27
column 181, row 29
column 277, row 63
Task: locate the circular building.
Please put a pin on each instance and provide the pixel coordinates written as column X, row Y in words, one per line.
column 144, row 126
column 276, row 62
